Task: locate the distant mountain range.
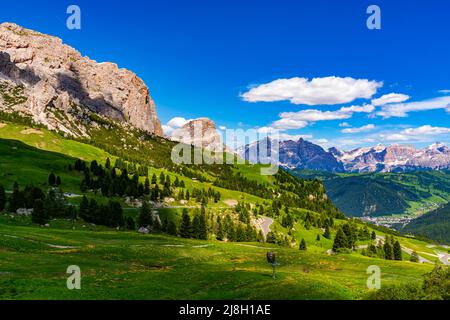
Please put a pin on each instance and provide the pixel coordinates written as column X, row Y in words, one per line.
column 394, row 158
column 299, row 154
column 303, row 154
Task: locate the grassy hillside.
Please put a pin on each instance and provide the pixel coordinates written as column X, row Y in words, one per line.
column 434, row 225
column 29, row 154
column 119, row 264
column 380, row 194
column 126, row 265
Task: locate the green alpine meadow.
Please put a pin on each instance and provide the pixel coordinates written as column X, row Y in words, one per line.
column 220, row 168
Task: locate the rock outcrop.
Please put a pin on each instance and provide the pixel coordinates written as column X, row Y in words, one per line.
column 201, row 133
column 55, row 85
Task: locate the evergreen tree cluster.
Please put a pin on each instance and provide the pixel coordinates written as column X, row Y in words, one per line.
column 110, row 214
column 390, row 250
column 227, row 179
column 45, row 205
column 202, row 225
column 347, row 235
column 112, row 182
column 277, row 238
column 204, row 196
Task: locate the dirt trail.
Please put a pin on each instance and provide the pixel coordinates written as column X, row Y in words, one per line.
column 57, row 246
column 265, row 226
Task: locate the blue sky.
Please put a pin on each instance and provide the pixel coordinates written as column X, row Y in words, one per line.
column 251, row 63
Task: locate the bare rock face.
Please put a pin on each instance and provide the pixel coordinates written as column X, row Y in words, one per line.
column 299, row 154
column 201, row 133
column 55, row 85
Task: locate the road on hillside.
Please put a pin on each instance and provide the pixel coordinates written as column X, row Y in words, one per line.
column 265, row 226
column 444, row 257
column 408, row 251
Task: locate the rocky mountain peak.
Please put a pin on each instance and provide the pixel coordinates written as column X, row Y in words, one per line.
column 54, row 84
column 201, row 132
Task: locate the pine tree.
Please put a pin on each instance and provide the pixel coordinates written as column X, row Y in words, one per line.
column 270, row 238
column 185, row 228
column 172, row 228
column 251, row 233
column 51, row 179
column 130, row 224
column 414, row 257
column 318, row 237
column 39, row 215
column 260, row 237
column 108, row 163
column 388, row 252
column 371, row 250
column 114, row 214
column 350, row 233
column 58, row 180
column 397, row 251
column 84, row 208
column 164, row 225
column 220, row 232
column 147, row 187
column 203, row 234
column 240, row 233
column 340, row 241
column 374, row 235
column 302, row 246
column 327, row 233
column 145, row 218
column 154, row 179
column 231, row 234
column 196, row 227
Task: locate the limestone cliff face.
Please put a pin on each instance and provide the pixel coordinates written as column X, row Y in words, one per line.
column 200, row 132
column 39, row 74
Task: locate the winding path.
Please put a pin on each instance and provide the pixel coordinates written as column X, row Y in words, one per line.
column 265, row 226
column 444, row 258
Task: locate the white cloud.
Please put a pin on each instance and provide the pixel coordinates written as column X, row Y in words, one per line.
column 280, row 135
column 177, row 122
column 416, row 134
column 173, row 124
column 300, row 119
column 402, row 109
column 390, row 98
column 317, row 91
column 367, row 108
column 344, row 125
column 324, row 143
column 167, row 129
column 264, row 130
column 286, row 123
column 223, row 128
column 445, row 91
column 365, row 128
